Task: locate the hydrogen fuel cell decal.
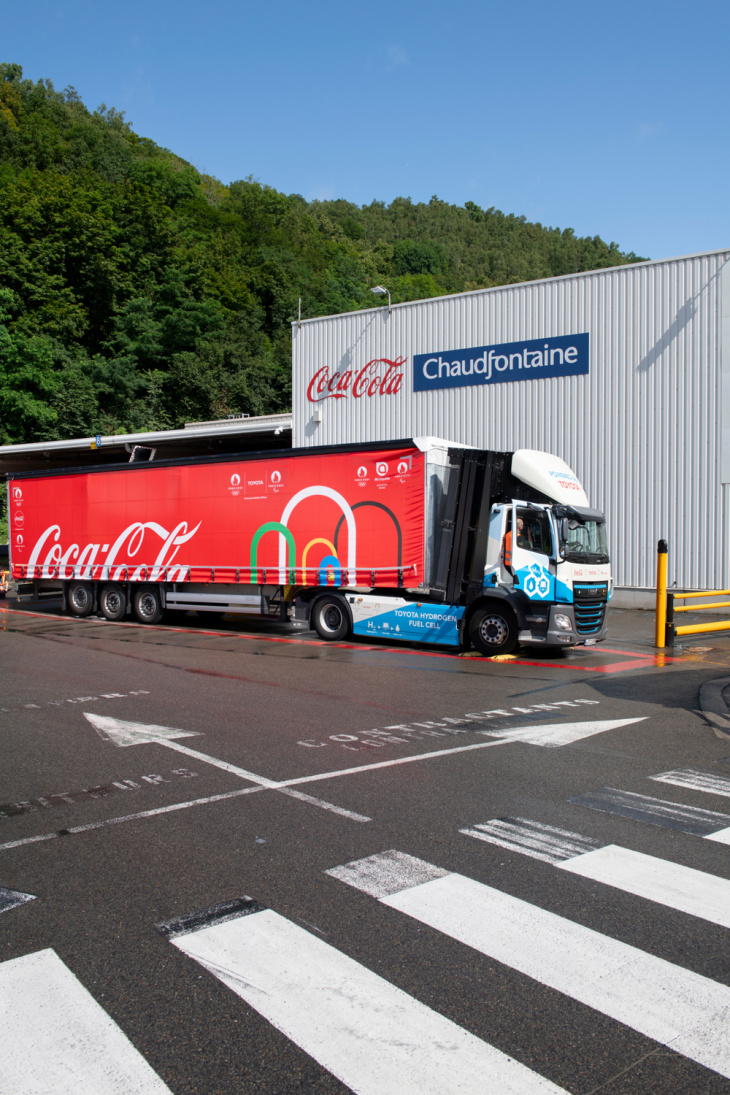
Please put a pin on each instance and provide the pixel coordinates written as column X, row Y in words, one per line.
column 409, row 620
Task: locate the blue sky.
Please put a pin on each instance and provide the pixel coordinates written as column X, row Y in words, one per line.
column 611, row 119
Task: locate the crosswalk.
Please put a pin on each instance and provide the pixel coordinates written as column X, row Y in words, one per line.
column 369, row 1033
column 57, row 1040
column 669, row 884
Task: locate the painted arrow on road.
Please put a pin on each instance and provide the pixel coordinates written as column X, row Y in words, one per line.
column 10, row 899
column 136, row 733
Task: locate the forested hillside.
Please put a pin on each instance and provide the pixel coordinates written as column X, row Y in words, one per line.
column 136, row 293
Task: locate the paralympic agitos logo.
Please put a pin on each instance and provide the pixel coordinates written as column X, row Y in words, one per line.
column 378, row 377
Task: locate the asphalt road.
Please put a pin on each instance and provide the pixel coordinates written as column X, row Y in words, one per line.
column 580, row 943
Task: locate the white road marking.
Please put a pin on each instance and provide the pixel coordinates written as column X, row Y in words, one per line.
column 445, row 726
column 722, row 836
column 683, row 888
column 533, row 838
column 129, row 817
column 560, row 733
column 57, row 1039
column 10, row 899
column 678, row 1008
column 696, row 781
column 284, row 785
column 134, row 733
column 655, row 811
column 372, row 1036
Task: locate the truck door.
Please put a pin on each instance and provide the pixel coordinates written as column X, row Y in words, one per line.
column 532, row 552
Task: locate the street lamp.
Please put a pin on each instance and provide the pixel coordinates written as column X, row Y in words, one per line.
column 380, row 291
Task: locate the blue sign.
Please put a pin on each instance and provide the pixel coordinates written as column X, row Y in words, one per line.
column 536, row 359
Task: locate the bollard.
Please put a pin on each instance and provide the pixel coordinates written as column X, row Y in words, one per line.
column 660, row 630
column 671, row 633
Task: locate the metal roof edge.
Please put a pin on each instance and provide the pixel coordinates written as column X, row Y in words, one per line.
column 518, row 285
column 223, row 427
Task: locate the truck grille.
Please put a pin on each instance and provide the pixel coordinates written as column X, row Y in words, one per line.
column 589, row 605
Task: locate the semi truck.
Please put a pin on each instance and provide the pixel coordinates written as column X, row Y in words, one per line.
column 419, row 540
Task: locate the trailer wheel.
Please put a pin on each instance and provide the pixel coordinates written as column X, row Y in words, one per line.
column 113, row 601
column 493, row 630
column 331, row 618
column 148, row 605
column 80, row 598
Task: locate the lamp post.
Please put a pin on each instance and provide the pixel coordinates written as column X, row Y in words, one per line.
column 380, row 291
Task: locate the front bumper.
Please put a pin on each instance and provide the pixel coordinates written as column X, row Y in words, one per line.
column 556, row 637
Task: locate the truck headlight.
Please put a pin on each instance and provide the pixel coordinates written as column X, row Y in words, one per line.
column 563, row 622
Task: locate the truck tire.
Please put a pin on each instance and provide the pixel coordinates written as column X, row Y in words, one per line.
column 148, row 605
column 113, row 601
column 331, row 618
column 493, row 630
column 80, row 598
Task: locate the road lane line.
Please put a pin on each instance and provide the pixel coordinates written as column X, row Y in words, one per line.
column 125, row 734
column 368, row 1033
column 284, row 785
column 680, row 1009
column 56, row 1038
column 129, row 817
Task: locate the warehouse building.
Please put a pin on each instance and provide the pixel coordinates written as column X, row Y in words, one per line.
column 624, row 373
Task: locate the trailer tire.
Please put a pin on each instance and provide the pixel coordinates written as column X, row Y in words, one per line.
column 493, row 630
column 331, row 618
column 148, row 605
column 113, row 602
column 80, row 598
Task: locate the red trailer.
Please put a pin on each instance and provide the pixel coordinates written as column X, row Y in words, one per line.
column 229, row 534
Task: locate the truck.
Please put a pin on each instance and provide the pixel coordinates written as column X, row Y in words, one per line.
column 418, row 540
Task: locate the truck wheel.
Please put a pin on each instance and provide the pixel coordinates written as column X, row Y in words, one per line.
column 113, row 602
column 493, row 630
column 80, row 598
column 331, row 618
column 148, row 605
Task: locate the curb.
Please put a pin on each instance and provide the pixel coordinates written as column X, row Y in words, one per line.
column 713, row 706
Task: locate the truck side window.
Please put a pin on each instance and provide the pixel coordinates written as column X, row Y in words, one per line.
column 533, row 531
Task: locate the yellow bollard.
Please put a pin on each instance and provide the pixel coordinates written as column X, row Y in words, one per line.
column 660, row 631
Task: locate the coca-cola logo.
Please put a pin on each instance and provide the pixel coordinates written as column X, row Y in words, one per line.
column 19, row 519
column 113, row 562
column 378, row 377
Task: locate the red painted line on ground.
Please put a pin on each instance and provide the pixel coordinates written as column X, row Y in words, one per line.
column 638, row 660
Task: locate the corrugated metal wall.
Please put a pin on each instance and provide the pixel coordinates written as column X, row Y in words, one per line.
column 642, row 430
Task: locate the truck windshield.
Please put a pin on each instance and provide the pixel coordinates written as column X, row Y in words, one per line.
column 586, row 542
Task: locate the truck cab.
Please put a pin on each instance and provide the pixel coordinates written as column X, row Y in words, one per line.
column 550, row 563
column 546, row 577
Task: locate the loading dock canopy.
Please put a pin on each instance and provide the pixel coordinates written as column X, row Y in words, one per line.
column 225, row 435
